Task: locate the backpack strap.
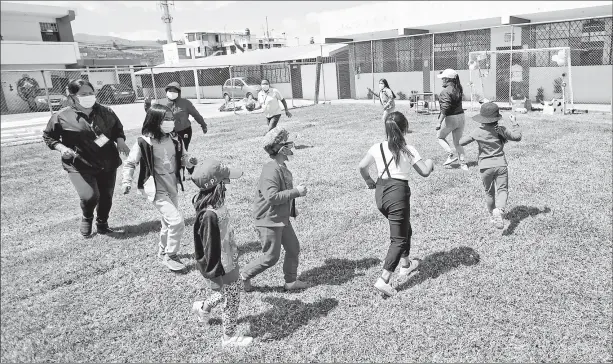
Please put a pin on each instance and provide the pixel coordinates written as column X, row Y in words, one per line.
column 387, row 165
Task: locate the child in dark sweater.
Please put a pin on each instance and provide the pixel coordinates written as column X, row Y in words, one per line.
column 216, row 252
column 491, row 139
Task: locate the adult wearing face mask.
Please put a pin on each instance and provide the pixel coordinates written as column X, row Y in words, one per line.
column 181, row 109
column 89, row 137
column 269, row 98
column 273, row 206
column 386, row 96
column 451, row 119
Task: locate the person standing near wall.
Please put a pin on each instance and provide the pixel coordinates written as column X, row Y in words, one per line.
column 269, row 98
column 386, row 97
column 451, row 119
column 181, row 109
column 89, row 137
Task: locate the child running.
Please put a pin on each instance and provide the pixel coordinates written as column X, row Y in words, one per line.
column 491, row 139
column 160, row 154
column 216, row 252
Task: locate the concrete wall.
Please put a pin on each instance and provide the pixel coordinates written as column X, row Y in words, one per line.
column 591, row 84
column 28, row 52
column 285, row 89
column 9, row 87
column 308, row 73
column 22, row 27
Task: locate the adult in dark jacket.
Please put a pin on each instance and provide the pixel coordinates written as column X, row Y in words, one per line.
column 451, row 119
column 181, row 109
column 89, row 137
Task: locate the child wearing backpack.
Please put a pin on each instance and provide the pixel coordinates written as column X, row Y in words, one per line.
column 491, row 139
column 216, row 252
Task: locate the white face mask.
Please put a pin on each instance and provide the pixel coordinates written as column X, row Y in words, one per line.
column 265, row 87
column 168, row 126
column 381, row 86
column 87, row 101
column 172, row 95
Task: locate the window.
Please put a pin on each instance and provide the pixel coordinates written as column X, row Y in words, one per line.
column 249, row 46
column 261, row 46
column 49, row 32
column 238, row 83
column 216, row 38
column 190, row 37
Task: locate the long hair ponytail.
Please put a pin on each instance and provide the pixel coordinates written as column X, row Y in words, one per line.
column 386, row 85
column 458, row 91
column 396, row 126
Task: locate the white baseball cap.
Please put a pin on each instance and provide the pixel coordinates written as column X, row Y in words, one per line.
column 448, row 73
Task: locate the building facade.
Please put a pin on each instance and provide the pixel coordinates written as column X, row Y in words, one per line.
column 208, row 43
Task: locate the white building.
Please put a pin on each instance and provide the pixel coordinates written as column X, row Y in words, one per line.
column 207, row 43
column 34, row 37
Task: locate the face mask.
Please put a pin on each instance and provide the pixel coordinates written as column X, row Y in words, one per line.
column 265, row 87
column 381, row 87
column 287, row 151
column 168, row 126
column 172, row 95
column 87, row 101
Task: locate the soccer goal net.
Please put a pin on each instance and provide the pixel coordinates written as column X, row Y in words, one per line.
column 506, row 76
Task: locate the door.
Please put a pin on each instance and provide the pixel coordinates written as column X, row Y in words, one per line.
column 344, row 76
column 296, row 81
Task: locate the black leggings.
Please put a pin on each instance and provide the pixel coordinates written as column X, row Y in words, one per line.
column 393, row 200
column 185, row 135
column 273, row 121
column 95, row 190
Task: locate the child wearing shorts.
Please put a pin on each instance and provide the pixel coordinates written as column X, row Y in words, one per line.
column 491, row 139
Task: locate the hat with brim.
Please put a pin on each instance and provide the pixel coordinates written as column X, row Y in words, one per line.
column 489, row 113
column 276, row 139
column 448, row 73
column 209, row 173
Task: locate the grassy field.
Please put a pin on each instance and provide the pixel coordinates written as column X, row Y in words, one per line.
column 539, row 290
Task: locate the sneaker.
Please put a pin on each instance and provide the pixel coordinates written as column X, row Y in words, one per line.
column 450, row 160
column 239, row 340
column 86, row 226
column 103, row 228
column 173, row 263
column 464, row 166
column 497, row 219
column 296, row 285
column 202, row 314
column 405, row 271
column 247, row 287
column 385, row 288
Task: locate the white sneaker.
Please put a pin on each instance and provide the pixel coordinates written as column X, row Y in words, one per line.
column 464, row 166
column 405, row 271
column 202, row 314
column 450, row 160
column 236, row 340
column 385, row 288
column 497, row 219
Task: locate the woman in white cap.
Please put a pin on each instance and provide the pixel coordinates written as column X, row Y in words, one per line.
column 451, row 119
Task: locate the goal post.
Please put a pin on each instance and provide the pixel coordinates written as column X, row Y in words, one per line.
column 538, row 75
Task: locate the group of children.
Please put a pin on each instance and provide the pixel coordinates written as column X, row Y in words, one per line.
column 161, row 155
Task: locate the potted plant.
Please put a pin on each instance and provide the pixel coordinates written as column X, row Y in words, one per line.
column 402, row 95
column 540, row 95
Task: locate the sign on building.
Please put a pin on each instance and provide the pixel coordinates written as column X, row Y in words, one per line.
column 171, row 53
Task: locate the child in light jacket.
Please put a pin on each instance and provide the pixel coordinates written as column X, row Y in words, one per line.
column 491, row 139
column 160, row 155
column 216, row 252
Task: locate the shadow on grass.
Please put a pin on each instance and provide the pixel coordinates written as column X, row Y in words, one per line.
column 436, row 264
column 304, row 146
column 144, row 228
column 519, row 213
column 286, row 317
column 338, row 271
column 252, row 246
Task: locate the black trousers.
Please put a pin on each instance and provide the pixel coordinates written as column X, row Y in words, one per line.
column 273, row 121
column 393, row 200
column 185, row 135
column 95, row 190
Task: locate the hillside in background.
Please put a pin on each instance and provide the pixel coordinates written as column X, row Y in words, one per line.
column 104, row 39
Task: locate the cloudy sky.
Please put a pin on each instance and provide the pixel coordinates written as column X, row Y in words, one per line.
column 141, row 20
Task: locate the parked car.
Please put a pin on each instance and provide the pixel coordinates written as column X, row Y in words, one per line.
column 57, row 100
column 241, row 87
column 116, row 94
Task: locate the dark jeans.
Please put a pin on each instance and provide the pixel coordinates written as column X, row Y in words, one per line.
column 393, row 200
column 185, row 135
column 496, row 183
column 95, row 190
column 273, row 121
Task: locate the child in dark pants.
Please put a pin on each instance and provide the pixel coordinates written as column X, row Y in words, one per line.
column 491, row 139
column 393, row 194
column 216, row 252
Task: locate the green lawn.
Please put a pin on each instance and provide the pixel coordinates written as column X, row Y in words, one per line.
column 540, row 290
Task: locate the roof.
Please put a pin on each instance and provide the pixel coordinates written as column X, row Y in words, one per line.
column 256, row 57
column 35, row 9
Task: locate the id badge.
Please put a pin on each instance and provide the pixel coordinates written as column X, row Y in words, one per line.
column 101, row 140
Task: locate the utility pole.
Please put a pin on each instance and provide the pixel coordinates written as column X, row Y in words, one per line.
column 267, row 34
column 167, row 18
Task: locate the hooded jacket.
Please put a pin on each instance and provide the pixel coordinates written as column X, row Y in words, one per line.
column 181, row 108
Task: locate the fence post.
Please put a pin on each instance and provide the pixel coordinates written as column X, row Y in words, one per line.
column 372, row 71
column 433, row 73
column 197, row 84
column 291, row 85
column 47, row 92
column 570, row 81
column 155, row 91
column 133, row 79
column 511, row 70
column 89, row 77
column 323, row 75
column 117, row 75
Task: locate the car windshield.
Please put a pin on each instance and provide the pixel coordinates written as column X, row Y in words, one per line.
column 251, row 81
